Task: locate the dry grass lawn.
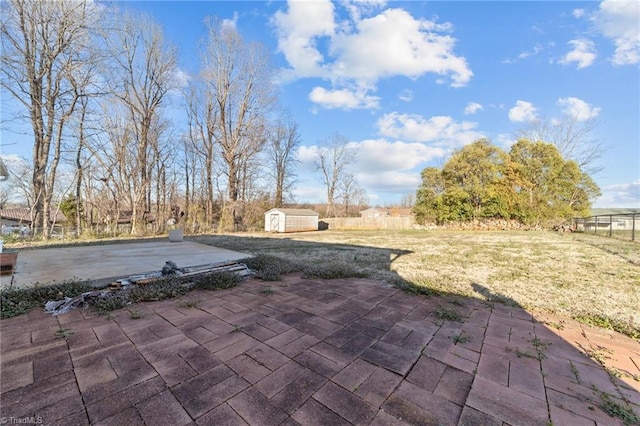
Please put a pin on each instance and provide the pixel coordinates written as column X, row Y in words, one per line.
column 585, row 277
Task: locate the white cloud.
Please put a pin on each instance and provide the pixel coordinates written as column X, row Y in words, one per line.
column 472, row 108
column 441, row 131
column 230, row 23
column 406, row 95
column 505, row 140
column 523, row 111
column 310, row 192
column 379, row 155
column 577, row 108
column 578, row 13
column 583, row 53
column 361, row 50
column 397, row 182
column 357, row 8
column 382, row 166
column 624, row 195
column 618, row 21
column 181, row 78
column 306, row 155
column 395, row 43
column 343, row 98
column 536, row 49
column 525, row 54
column 297, row 31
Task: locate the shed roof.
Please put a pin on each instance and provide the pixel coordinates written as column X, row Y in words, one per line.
column 295, row 212
column 24, row 215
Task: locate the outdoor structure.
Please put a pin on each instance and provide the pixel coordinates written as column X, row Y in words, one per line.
column 375, row 212
column 18, row 221
column 621, row 225
column 22, row 216
column 290, row 220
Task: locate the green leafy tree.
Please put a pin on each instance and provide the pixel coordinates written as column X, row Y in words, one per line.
column 69, row 207
column 425, row 208
column 477, row 170
column 533, row 184
column 548, row 187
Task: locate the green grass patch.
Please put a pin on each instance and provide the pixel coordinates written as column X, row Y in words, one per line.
column 267, row 291
column 136, row 314
column 460, row 338
column 622, row 411
column 609, row 323
column 447, row 314
column 63, row 333
column 21, row 301
column 333, row 271
column 270, row 268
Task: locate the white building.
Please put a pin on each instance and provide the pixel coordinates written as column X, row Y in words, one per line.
column 290, row 220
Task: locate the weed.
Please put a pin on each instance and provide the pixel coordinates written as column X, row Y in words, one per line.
column 216, row 281
column 136, row 314
column 526, row 354
column 412, row 288
column 557, row 325
column 103, row 305
column 522, row 354
column 167, row 288
column 609, row 323
column 270, row 268
column 615, row 409
column 266, row 290
column 598, row 353
column 20, row 301
column 575, row 371
column 616, row 372
column 601, row 355
column 63, row 333
column 447, row 314
column 460, row 338
column 333, row 271
column 456, row 302
column 188, row 303
column 540, row 347
column 236, row 328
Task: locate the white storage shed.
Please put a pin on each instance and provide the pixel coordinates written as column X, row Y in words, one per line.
column 290, row 220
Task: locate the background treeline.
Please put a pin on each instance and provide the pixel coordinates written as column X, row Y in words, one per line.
column 123, row 136
column 532, row 183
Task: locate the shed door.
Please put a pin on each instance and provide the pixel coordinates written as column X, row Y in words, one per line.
column 275, row 222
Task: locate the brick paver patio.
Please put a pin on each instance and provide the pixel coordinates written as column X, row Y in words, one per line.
column 312, row 352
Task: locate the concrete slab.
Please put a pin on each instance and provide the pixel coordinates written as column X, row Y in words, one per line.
column 103, row 263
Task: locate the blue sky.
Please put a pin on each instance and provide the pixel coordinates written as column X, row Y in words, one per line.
column 408, row 82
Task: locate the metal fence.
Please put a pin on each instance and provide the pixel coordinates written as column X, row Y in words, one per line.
column 622, row 226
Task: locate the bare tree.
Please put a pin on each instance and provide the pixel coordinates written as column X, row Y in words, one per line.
column 574, row 137
column 407, row 200
column 141, row 76
column 43, row 43
column 283, row 139
column 334, row 157
column 350, row 193
column 200, row 113
column 239, row 85
column 17, row 189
